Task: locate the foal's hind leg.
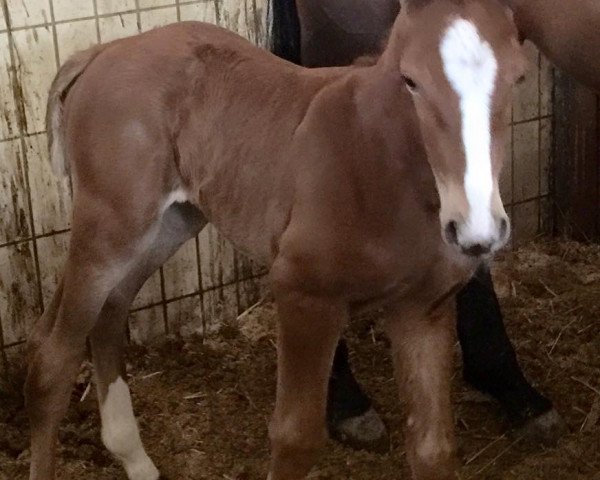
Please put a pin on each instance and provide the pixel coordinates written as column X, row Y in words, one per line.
column 104, row 246
column 44, row 325
column 120, row 432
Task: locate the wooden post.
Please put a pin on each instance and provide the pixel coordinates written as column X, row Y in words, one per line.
column 576, row 169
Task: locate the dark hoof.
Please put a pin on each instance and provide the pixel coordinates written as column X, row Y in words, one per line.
column 363, row 432
column 545, row 429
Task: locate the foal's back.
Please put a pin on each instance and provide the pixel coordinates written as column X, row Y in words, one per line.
column 191, row 112
column 199, row 111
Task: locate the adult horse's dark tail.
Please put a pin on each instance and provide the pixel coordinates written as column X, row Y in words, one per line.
column 285, row 30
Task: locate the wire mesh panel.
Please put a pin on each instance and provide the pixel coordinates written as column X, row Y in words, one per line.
column 206, row 281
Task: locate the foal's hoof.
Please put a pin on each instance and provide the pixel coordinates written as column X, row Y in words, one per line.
column 545, row 429
column 363, row 432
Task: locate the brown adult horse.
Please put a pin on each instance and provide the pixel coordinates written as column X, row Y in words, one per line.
column 332, row 32
column 565, row 32
column 379, row 187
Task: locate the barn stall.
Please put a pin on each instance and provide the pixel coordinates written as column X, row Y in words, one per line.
column 202, row 379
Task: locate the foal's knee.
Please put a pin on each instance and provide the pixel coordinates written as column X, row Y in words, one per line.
column 297, row 434
column 295, row 444
column 434, row 450
column 433, row 455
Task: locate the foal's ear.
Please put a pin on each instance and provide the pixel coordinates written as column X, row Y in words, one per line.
column 408, row 5
column 510, row 13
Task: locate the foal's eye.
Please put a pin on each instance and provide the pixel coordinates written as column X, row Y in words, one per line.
column 410, row 83
column 520, row 80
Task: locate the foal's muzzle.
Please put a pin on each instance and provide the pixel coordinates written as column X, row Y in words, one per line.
column 474, row 244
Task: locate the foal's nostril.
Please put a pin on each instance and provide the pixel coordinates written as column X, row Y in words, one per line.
column 503, row 229
column 477, row 250
column 451, row 232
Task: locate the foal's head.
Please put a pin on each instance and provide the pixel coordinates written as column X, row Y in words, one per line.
column 459, row 60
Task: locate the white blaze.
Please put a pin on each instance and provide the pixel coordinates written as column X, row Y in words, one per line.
column 120, row 433
column 470, row 65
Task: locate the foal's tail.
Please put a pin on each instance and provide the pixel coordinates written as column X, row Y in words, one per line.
column 64, row 80
column 285, row 30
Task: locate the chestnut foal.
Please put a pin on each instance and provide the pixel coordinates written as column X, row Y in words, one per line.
column 379, row 187
column 319, row 33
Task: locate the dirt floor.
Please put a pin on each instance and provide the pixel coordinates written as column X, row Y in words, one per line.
column 203, row 406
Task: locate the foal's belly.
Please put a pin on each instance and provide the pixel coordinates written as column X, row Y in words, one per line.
column 250, row 210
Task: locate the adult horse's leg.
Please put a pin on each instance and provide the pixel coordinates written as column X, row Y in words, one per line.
column 422, row 348
column 490, row 363
column 120, row 433
column 351, row 419
column 285, row 30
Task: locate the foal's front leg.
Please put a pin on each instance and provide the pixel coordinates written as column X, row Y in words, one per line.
column 309, row 329
column 422, row 350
